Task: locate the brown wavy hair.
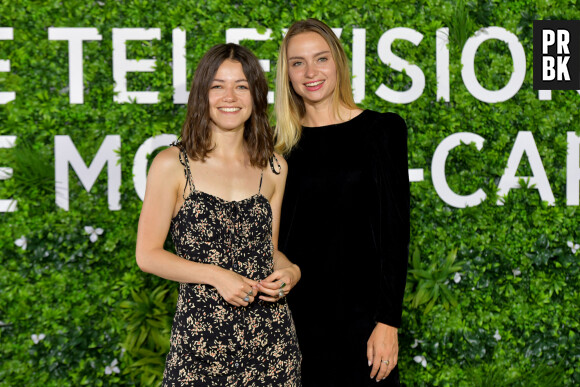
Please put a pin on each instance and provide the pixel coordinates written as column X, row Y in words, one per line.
column 196, row 135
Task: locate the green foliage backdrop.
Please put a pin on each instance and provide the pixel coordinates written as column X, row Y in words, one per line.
column 493, row 295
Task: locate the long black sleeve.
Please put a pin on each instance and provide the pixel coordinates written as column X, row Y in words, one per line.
column 392, row 179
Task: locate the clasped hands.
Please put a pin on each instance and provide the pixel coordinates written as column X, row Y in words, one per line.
column 241, row 291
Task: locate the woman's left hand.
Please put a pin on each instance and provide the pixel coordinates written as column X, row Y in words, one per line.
column 383, row 350
column 279, row 283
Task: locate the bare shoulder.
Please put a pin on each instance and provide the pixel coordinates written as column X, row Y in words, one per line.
column 275, row 179
column 281, row 166
column 166, row 166
column 167, row 158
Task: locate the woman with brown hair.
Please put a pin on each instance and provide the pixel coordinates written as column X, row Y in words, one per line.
column 345, row 218
column 219, row 192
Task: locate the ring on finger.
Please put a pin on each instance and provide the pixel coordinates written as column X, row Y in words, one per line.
column 282, row 285
column 280, row 293
column 385, row 361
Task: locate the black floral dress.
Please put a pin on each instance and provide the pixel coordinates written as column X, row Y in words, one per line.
column 214, row 343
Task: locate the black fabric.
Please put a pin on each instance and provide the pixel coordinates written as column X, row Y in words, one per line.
column 214, row 343
column 345, row 222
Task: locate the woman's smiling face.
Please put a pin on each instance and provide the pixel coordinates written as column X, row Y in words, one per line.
column 230, row 100
column 311, row 68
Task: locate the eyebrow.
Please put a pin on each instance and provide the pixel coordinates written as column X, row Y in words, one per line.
column 317, row 54
column 237, row 81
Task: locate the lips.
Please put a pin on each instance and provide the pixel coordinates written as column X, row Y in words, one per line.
column 313, row 86
column 229, row 109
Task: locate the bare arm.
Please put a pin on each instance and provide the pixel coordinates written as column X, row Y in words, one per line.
column 164, row 185
column 280, row 260
column 285, row 272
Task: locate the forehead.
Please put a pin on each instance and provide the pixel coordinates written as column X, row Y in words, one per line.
column 306, row 43
column 230, row 70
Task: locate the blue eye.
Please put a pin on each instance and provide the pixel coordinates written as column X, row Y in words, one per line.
column 322, row 59
column 295, row 64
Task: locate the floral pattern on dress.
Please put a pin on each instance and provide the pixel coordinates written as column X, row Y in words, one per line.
column 214, row 343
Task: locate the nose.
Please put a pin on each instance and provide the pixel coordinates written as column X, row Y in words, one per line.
column 229, row 94
column 310, row 71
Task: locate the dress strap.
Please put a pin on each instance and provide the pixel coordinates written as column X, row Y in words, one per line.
column 272, row 159
column 184, row 160
column 277, row 172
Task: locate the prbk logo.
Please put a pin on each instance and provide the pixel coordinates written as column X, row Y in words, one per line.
column 556, row 54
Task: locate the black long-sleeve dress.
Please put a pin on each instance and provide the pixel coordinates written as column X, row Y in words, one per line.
column 345, row 222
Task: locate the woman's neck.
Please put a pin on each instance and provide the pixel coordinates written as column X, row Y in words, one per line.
column 229, row 145
column 323, row 115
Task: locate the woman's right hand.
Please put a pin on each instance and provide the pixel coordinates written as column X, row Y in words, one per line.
column 235, row 288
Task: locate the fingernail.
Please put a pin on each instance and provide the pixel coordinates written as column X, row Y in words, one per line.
column 370, row 362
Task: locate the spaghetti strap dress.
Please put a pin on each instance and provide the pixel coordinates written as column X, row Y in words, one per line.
column 214, row 343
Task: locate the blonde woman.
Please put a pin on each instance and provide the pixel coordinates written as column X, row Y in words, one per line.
column 345, row 218
column 219, row 193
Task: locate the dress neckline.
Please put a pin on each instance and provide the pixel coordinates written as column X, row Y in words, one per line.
column 218, row 199
column 352, row 120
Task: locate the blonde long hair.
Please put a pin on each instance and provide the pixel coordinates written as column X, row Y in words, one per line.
column 289, row 106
